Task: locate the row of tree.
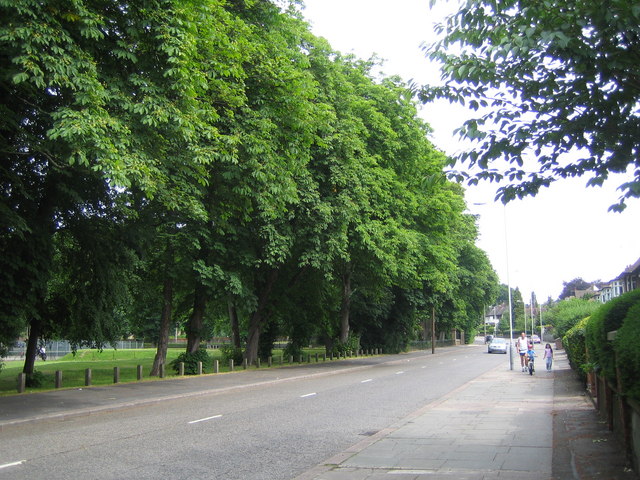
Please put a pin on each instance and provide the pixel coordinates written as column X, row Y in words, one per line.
column 183, row 162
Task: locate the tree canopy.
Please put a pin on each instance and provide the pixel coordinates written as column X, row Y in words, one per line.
column 555, row 83
column 215, row 166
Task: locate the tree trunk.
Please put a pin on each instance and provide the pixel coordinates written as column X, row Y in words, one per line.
column 196, row 322
column 345, row 306
column 32, row 347
column 256, row 320
column 235, row 326
column 165, row 323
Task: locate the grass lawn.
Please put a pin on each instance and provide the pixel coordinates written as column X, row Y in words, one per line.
column 102, row 364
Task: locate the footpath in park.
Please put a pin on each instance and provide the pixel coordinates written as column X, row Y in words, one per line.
column 505, row 424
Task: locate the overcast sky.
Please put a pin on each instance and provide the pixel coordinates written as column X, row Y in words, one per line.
column 563, row 233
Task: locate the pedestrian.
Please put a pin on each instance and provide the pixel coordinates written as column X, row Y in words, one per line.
column 522, row 343
column 548, row 356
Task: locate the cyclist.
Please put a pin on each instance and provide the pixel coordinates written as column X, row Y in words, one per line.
column 531, row 355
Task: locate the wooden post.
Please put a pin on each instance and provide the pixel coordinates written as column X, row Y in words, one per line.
column 231, row 365
column 199, row 368
column 139, row 372
column 22, row 381
column 116, row 374
column 244, row 364
column 216, row 366
column 270, row 361
column 433, row 329
column 87, row 377
column 257, row 362
column 162, row 370
column 58, row 381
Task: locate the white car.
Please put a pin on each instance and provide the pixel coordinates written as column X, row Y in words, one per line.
column 497, row 345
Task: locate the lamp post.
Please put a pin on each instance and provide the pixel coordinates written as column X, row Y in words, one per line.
column 506, row 253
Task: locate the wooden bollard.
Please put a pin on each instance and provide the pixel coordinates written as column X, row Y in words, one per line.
column 324, row 357
column 181, row 368
column 231, row 364
column 116, row 374
column 270, row 362
column 244, row 363
column 87, row 377
column 161, row 370
column 216, row 366
column 199, row 368
column 257, row 362
column 22, row 381
column 58, row 381
column 139, row 372
column 316, row 357
column 290, row 358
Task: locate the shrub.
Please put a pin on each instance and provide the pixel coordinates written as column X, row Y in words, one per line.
column 628, row 352
column 608, row 318
column 35, row 379
column 351, row 345
column 231, row 352
column 575, row 346
column 191, row 362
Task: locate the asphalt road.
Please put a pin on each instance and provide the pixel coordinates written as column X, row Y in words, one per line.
column 270, row 430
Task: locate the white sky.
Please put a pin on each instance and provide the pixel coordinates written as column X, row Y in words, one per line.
column 563, row 233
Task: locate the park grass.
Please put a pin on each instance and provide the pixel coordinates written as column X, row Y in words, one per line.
column 102, row 364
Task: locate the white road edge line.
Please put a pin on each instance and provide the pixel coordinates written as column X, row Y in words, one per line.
column 13, row 464
column 308, row 395
column 205, row 419
column 367, row 380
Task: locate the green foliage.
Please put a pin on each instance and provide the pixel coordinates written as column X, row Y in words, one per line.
column 191, row 362
column 575, row 346
column 566, row 313
column 350, row 346
column 546, row 78
column 35, row 379
column 609, row 317
column 231, row 352
column 628, row 352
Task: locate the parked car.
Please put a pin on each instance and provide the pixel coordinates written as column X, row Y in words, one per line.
column 535, row 338
column 497, row 345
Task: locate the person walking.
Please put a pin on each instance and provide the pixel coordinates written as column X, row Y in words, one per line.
column 548, row 356
column 522, row 344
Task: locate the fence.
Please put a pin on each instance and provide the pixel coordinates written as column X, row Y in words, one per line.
column 60, row 348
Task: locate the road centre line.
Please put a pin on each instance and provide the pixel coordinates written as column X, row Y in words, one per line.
column 12, row 464
column 308, row 395
column 399, row 373
column 367, row 380
column 205, row 419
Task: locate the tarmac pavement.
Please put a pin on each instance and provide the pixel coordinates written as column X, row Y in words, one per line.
column 504, row 424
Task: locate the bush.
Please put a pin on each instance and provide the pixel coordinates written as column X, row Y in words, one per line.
column 628, row 352
column 35, row 379
column 575, row 346
column 191, row 362
column 608, row 318
column 351, row 345
column 231, row 352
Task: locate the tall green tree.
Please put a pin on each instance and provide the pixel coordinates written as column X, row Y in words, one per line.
column 555, row 82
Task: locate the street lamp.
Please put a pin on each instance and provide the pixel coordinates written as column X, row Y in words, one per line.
column 506, row 252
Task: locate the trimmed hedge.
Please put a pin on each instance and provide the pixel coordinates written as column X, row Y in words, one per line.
column 622, row 314
column 627, row 348
column 575, row 345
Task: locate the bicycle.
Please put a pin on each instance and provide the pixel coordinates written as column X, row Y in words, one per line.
column 530, row 366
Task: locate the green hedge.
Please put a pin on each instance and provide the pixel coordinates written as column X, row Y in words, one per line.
column 622, row 314
column 627, row 348
column 575, row 346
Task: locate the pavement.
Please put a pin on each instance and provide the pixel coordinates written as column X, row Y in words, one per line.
column 505, row 424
